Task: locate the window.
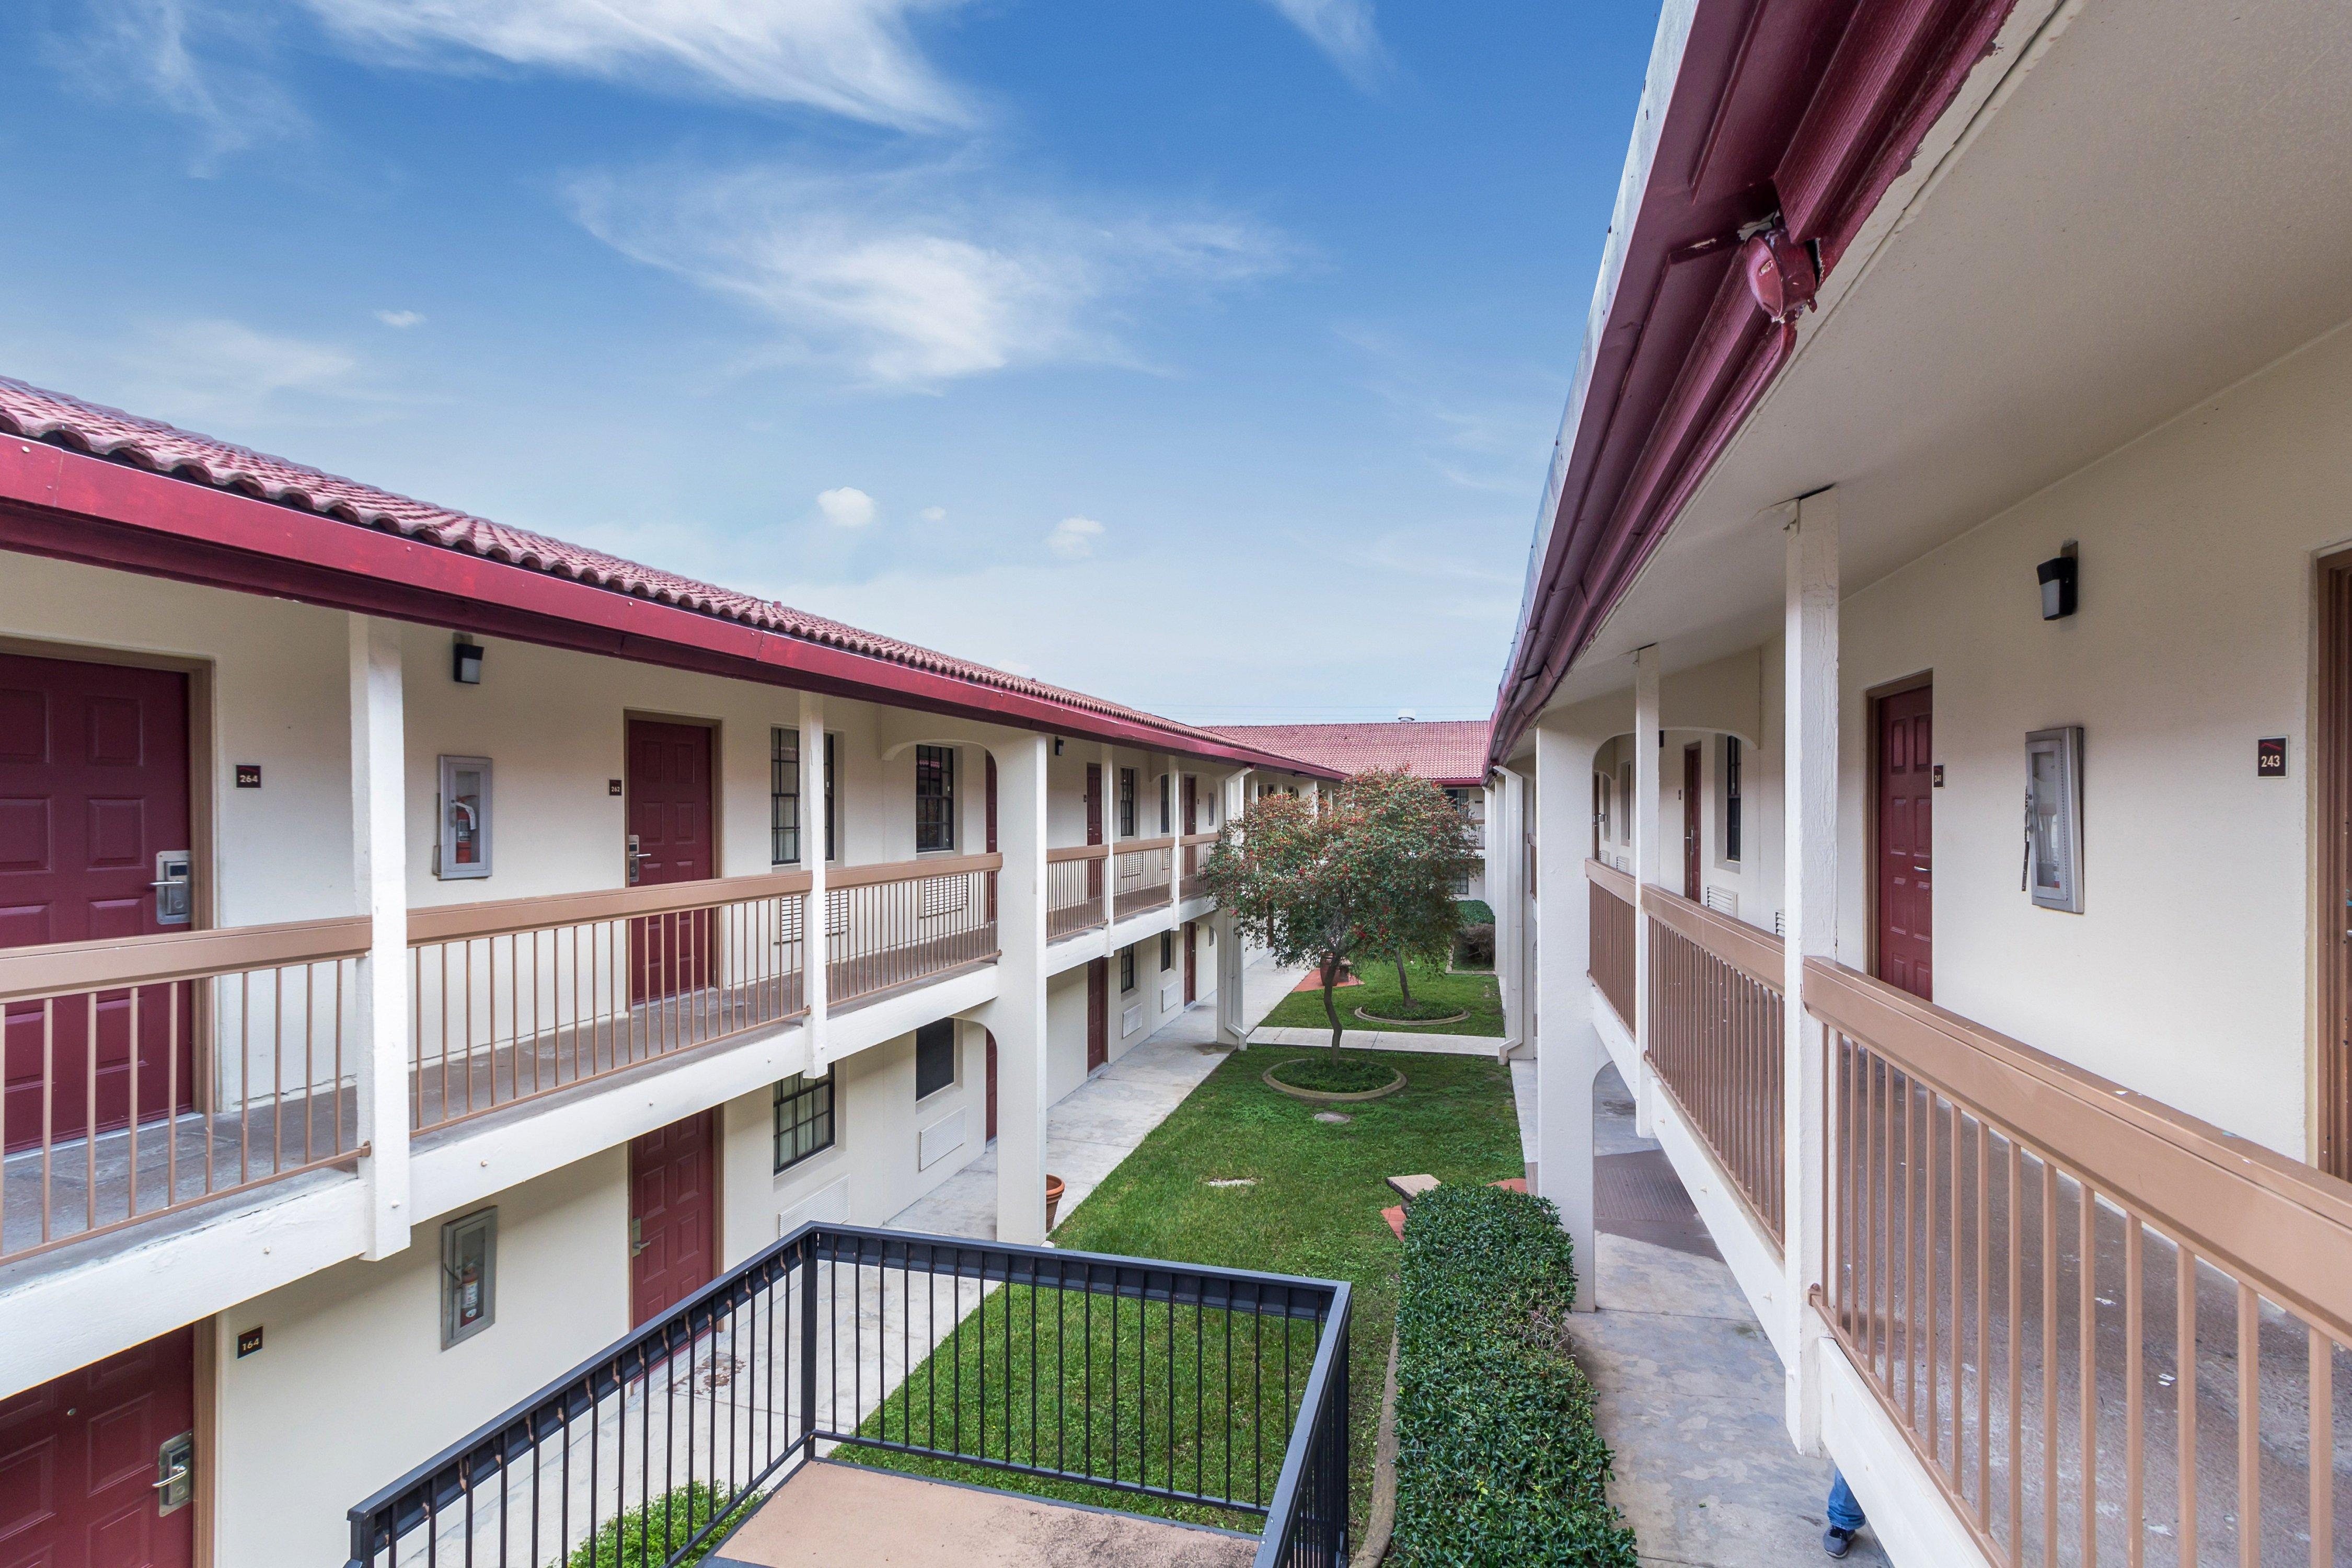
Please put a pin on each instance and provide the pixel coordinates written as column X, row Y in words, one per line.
column 934, row 798
column 1167, row 951
column 804, row 1119
column 1625, row 797
column 1601, row 832
column 1127, row 802
column 935, row 1054
column 1731, row 799
column 784, row 796
column 1166, row 802
column 1126, row 970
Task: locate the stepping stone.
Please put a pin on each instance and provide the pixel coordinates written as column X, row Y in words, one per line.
column 1410, row 1187
column 1333, row 1116
column 1395, row 1216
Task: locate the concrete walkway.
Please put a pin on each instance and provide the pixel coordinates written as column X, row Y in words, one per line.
column 1091, row 1130
column 1385, row 1041
column 1689, row 1389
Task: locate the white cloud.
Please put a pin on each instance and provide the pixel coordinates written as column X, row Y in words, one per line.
column 401, row 321
column 934, row 514
column 1342, row 29
column 853, row 58
column 847, row 507
column 152, row 54
column 1073, row 538
column 918, row 275
column 225, row 370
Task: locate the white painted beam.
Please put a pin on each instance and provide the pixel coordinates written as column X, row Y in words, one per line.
column 1648, row 858
column 816, row 942
column 1568, row 1052
column 1810, row 825
column 1017, row 1015
column 379, row 880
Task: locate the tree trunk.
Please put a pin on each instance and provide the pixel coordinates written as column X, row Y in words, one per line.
column 1403, row 985
column 1331, row 1008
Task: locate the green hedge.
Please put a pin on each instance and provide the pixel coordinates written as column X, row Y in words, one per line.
column 1498, row 1458
column 1475, row 911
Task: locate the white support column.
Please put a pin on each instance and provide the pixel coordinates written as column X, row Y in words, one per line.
column 1809, row 823
column 1568, row 1052
column 1647, row 733
column 1232, row 798
column 817, row 943
column 1110, row 843
column 380, row 878
column 1509, row 893
column 1017, row 1015
column 1174, row 776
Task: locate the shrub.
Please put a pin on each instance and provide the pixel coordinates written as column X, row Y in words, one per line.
column 1475, row 948
column 1476, row 911
column 1498, row 1460
column 657, row 1528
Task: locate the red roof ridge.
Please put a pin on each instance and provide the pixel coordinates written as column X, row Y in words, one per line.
column 1446, row 750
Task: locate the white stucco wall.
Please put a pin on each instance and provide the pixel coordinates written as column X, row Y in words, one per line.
column 352, row 1388
column 2190, row 974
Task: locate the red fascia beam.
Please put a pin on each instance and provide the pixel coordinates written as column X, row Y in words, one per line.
column 1896, row 69
column 74, row 507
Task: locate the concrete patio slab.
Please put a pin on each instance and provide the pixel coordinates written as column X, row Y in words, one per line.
column 1689, row 1391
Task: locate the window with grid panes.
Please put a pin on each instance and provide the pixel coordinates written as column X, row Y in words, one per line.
column 934, row 798
column 1127, row 802
column 784, row 796
column 804, row 1118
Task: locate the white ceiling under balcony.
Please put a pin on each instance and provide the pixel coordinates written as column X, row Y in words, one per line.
column 2153, row 206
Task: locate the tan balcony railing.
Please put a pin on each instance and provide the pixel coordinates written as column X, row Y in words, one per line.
column 1611, row 963
column 152, row 1072
column 524, row 996
column 2105, row 1327
column 1194, row 847
column 1715, row 1041
column 1141, row 869
column 889, row 926
column 1073, row 889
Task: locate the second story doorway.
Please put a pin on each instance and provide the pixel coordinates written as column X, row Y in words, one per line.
column 671, row 838
column 1902, row 839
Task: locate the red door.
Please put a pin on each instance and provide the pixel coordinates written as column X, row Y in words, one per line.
column 79, row 1459
column 1906, row 841
column 1097, row 1013
column 669, row 820
column 1191, row 962
column 93, row 786
column 992, row 1086
column 1690, row 824
column 1094, row 828
column 673, row 1221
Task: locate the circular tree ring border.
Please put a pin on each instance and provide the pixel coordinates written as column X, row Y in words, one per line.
column 1325, row 1096
column 1411, row 1023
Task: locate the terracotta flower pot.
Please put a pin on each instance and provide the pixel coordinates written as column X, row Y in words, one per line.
column 1054, row 1190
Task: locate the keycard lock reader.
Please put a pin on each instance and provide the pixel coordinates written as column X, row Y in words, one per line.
column 174, row 886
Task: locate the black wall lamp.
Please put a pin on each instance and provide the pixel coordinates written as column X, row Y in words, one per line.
column 465, row 662
column 2057, row 576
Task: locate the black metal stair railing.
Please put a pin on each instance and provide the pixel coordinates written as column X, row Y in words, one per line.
column 1220, row 1392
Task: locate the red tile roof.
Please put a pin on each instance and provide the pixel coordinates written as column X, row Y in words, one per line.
column 65, row 421
column 1448, row 751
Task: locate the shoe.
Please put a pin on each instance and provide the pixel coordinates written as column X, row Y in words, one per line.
column 1836, row 1541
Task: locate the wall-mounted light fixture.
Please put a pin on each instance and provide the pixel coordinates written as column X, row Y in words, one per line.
column 466, row 663
column 2057, row 576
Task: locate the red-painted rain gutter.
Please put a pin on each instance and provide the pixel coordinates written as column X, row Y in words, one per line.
column 74, row 507
column 1787, row 121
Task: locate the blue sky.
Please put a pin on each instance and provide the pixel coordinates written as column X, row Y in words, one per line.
column 1205, row 355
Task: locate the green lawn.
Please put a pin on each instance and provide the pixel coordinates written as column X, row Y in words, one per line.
column 1314, row 1209
column 1475, row 993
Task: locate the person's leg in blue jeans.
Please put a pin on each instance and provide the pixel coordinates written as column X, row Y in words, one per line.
column 1845, row 1517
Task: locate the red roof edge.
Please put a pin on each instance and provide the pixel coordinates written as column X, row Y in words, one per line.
column 71, row 506
column 1794, row 129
